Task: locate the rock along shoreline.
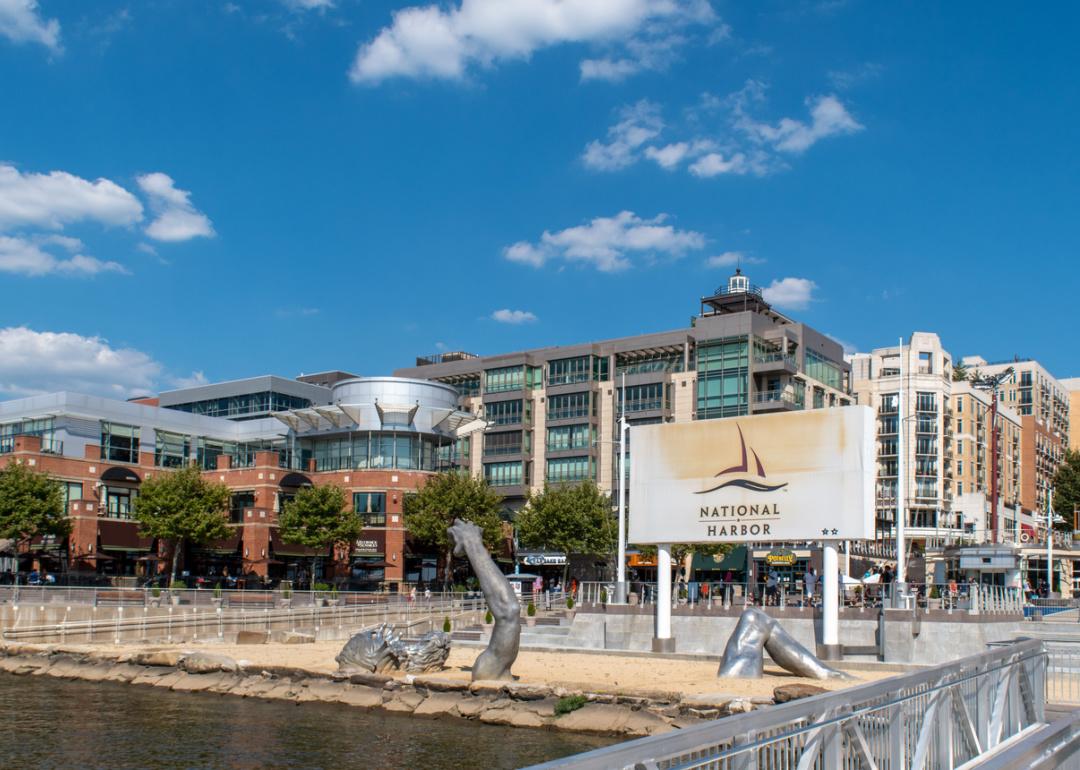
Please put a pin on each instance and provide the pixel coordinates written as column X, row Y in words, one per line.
column 492, row 702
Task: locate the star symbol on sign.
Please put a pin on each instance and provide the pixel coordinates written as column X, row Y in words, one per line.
column 825, row 531
column 836, row 531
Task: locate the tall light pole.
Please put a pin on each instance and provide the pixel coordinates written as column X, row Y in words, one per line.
column 901, row 503
column 620, row 584
column 1049, row 542
column 991, row 383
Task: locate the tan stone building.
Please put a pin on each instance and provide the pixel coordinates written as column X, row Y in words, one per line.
column 1042, row 402
column 1072, row 385
column 927, row 425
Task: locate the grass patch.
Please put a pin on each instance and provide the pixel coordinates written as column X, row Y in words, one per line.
column 569, row 703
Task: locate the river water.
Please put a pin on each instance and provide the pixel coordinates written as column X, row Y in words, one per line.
column 50, row 723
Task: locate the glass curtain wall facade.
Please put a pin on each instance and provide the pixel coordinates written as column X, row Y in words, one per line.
column 362, row 450
column 723, row 373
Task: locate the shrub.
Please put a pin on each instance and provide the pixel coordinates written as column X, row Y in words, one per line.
column 569, row 602
column 177, row 585
column 217, row 591
column 322, row 586
column 155, row 592
column 530, row 610
column 488, row 617
column 935, row 592
column 569, row 703
column 603, row 596
column 446, row 625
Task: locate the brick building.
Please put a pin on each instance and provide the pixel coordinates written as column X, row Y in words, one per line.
column 267, row 437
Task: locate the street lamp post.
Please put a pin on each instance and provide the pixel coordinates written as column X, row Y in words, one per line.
column 620, row 585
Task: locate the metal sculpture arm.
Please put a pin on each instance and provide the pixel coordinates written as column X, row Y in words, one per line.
column 495, row 661
column 756, row 633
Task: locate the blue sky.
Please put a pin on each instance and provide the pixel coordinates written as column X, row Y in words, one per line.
column 199, row 189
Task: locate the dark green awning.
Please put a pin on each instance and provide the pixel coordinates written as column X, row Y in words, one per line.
column 735, row 560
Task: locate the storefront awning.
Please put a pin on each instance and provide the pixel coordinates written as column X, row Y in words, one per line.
column 225, row 546
column 124, row 475
column 122, row 536
column 734, row 560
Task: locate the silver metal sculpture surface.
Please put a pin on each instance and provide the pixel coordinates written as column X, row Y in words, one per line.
column 370, row 650
column 428, row 653
column 380, row 649
column 756, row 633
column 495, row 661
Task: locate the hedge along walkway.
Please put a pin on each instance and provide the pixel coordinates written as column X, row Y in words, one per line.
column 602, row 673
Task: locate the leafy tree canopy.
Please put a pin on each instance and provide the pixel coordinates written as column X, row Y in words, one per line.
column 182, row 506
column 318, row 517
column 960, row 372
column 574, row 519
column 31, row 504
column 448, row 496
column 1067, row 488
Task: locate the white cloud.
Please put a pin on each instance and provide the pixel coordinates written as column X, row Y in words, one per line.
column 194, row 380
column 176, row 219
column 607, row 242
column 33, row 362
column 433, row 42
column 507, row 316
column 668, row 156
column 26, row 257
column 828, row 117
column 715, row 164
column 722, row 135
column 612, row 70
column 21, row 22
column 309, row 5
column 58, row 198
column 790, row 293
column 638, row 124
column 732, row 259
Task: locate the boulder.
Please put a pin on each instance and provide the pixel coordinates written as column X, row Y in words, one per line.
column 403, row 701
column 368, row 678
column 492, row 687
column 320, row 690
column 595, row 718
column 194, row 683
column 707, row 700
column 643, row 722
column 170, row 658
column 521, row 691
column 295, row 637
column 358, row 695
column 440, row 684
column 787, row 692
column 471, row 707
column 208, row 663
column 251, row 637
column 438, row 704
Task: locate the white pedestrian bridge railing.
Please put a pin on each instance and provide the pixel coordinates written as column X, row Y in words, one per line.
column 948, row 716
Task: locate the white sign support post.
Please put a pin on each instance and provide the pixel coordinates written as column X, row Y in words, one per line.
column 663, row 641
column 830, row 601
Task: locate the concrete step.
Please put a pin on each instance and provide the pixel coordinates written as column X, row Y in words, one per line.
column 553, row 631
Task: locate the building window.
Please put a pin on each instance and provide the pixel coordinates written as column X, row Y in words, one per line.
column 371, row 507
column 723, row 371
column 926, row 363
column 504, row 379
column 570, row 437
column 508, row 443
column 504, row 412
column 238, row 503
column 823, row 370
column 245, row 405
column 119, row 443
column 569, row 406
column 926, row 402
column 819, row 398
column 72, row 491
column 570, row 469
column 504, row 474
column 564, row 371
column 171, row 450
column 643, row 398
column 119, row 501
column 890, row 403
column 630, row 363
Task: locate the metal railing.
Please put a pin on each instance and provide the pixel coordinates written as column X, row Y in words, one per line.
column 939, row 717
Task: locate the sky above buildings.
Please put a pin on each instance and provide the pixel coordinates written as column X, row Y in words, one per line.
column 201, row 190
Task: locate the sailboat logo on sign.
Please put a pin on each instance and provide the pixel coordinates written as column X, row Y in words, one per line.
column 758, row 480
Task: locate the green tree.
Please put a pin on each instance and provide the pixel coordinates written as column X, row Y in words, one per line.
column 317, row 518
column 31, row 504
column 448, row 496
column 960, row 372
column 1067, row 489
column 182, row 507
column 573, row 519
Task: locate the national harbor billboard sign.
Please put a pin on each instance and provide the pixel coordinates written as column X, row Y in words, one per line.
column 795, row 476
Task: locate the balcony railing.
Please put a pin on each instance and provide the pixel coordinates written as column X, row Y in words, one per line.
column 644, row 405
column 769, row 358
column 505, row 449
column 569, row 412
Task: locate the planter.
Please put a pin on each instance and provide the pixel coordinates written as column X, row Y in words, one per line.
column 569, row 615
column 175, row 599
column 154, row 601
column 530, row 622
column 333, row 602
column 218, row 601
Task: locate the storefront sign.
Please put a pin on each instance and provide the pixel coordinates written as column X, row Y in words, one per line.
column 371, row 542
column 780, row 557
column 799, row 476
column 542, row 559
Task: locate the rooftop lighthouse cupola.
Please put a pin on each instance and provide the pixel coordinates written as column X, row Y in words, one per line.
column 738, row 283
